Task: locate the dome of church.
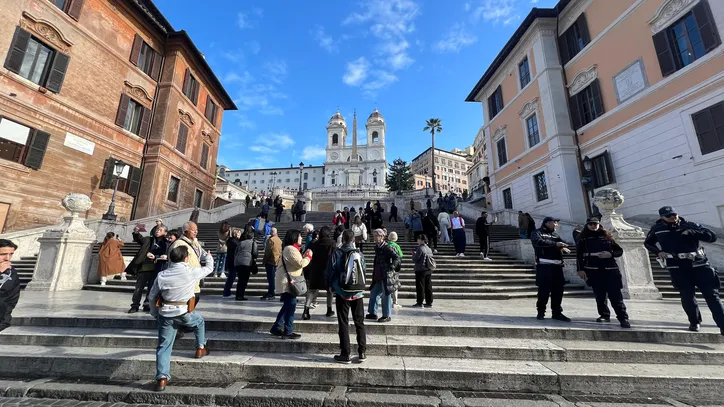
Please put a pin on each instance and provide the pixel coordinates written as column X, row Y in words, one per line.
column 375, row 117
column 337, row 120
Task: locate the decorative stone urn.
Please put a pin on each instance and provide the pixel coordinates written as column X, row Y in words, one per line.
column 65, row 251
column 638, row 280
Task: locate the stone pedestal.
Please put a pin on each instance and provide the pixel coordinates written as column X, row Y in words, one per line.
column 65, row 252
column 638, row 280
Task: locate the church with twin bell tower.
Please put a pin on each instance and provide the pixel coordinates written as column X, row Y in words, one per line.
column 357, row 165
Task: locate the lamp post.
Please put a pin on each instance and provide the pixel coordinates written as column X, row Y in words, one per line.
column 427, row 195
column 301, row 169
column 118, row 168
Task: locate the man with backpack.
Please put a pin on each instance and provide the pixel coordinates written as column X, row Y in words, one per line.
column 424, row 265
column 346, row 276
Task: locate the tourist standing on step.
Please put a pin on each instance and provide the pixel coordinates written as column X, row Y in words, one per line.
column 482, row 229
column 549, row 249
column 522, row 225
column 278, row 210
column 338, row 218
column 221, row 250
column 431, row 227
column 676, row 244
column 315, row 273
column 416, row 224
column 385, row 280
column 346, row 216
column 443, row 219
column 424, row 266
column 159, row 223
column 531, row 225
column 291, row 264
column 392, row 241
column 231, row 245
column 393, row 213
column 457, row 223
column 9, row 283
column 110, row 258
column 144, row 267
column 244, row 259
column 190, row 231
column 265, row 210
column 360, row 232
column 596, row 264
column 272, row 253
column 172, row 296
column 346, row 276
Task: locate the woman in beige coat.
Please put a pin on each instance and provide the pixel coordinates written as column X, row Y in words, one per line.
column 293, row 262
column 110, row 259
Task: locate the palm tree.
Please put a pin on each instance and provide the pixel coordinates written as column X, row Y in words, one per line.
column 433, row 126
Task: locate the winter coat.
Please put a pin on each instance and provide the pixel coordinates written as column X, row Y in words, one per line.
column 522, row 222
column 416, row 223
column 387, row 260
column 273, row 251
column 443, row 219
column 140, row 257
column 231, row 245
column 316, row 271
column 420, row 260
column 360, row 231
column 223, row 238
column 159, row 248
column 335, row 267
column 531, row 226
column 430, row 225
column 293, row 259
column 110, row 259
column 246, row 252
column 9, row 290
column 596, row 268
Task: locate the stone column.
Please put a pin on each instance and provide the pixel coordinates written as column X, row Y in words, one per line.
column 638, row 280
column 65, row 252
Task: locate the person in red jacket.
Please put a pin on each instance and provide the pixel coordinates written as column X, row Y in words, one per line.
column 338, row 219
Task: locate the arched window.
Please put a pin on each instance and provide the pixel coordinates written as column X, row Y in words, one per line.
column 237, row 181
column 359, row 158
column 375, row 137
column 335, row 139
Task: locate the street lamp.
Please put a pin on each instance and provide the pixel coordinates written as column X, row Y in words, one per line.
column 301, row 168
column 118, row 169
column 427, row 195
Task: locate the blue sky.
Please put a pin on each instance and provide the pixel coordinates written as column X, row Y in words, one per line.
column 290, row 65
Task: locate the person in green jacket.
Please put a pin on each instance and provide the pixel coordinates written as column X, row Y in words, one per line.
column 392, row 241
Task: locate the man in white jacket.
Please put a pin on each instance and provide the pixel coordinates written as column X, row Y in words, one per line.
column 172, row 304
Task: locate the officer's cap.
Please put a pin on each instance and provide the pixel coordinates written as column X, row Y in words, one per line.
column 667, row 211
column 593, row 220
column 549, row 219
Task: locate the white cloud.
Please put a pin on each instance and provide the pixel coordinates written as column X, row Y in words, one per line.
column 242, row 20
column 325, row 40
column 455, row 39
column 494, row 10
column 511, row 20
column 357, row 71
column 261, row 149
column 276, row 140
column 313, row 153
column 378, row 80
column 276, row 70
column 233, row 77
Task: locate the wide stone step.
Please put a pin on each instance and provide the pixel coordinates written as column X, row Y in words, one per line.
column 391, row 345
column 390, row 371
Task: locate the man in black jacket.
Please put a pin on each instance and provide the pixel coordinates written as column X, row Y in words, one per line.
column 393, row 213
column 676, row 244
column 9, row 283
column 482, row 229
column 549, row 249
column 431, row 227
column 144, row 266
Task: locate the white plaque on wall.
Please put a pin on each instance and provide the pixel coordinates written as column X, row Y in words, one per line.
column 630, row 81
column 79, row 143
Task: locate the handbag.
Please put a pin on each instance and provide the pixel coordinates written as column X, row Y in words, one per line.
column 297, row 286
column 254, row 266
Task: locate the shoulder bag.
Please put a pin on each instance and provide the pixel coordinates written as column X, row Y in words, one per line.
column 297, row 286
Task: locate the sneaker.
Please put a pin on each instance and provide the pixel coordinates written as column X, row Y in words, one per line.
column 342, row 359
column 396, row 306
column 123, row 277
column 103, row 283
column 293, row 335
column 264, row 297
column 363, row 356
column 462, row 254
column 371, row 317
column 434, row 251
column 694, row 327
column 625, row 324
column 487, row 259
column 417, row 306
column 561, row 317
column 428, row 305
column 313, row 305
column 603, row 319
column 272, row 298
column 222, row 275
column 384, row 319
column 133, row 310
column 482, row 255
column 457, row 254
column 146, row 308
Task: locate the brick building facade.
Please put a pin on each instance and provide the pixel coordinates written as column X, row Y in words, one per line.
column 87, row 82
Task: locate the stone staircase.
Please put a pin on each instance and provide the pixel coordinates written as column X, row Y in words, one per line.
column 455, row 277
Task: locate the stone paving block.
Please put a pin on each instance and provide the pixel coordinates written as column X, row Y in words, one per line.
column 336, row 397
column 474, row 348
column 279, row 398
column 381, row 399
column 475, row 402
column 20, row 389
column 82, row 392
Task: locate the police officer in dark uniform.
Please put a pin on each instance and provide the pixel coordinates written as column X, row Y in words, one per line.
column 676, row 242
column 549, row 249
column 596, row 252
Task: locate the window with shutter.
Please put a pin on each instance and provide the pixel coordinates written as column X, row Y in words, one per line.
column 33, row 60
column 211, row 110
column 183, row 133
column 134, row 181
column 145, row 125
column 14, row 139
column 130, row 115
column 191, row 87
column 502, row 153
column 57, row 72
column 204, row 161
column 574, row 39
column 36, row 149
column 587, row 105
column 75, row 8
column 602, row 170
column 709, row 127
column 107, row 175
column 495, row 102
column 688, row 39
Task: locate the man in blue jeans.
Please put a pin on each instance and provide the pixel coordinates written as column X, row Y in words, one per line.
column 272, row 253
column 173, row 302
column 385, row 280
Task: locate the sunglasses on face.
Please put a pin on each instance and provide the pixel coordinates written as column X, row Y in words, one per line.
column 673, row 215
column 592, row 224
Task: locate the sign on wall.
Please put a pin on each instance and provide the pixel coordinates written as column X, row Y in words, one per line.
column 630, row 81
column 79, row 143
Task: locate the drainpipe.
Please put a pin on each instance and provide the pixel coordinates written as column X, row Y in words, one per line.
column 579, row 163
column 145, row 147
